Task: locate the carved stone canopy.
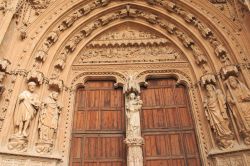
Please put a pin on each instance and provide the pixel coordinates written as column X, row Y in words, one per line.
column 230, row 70
column 56, row 85
column 4, row 63
column 35, row 76
column 208, row 79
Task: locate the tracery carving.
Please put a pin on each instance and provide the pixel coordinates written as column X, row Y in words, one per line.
column 216, row 113
column 26, row 109
column 238, row 97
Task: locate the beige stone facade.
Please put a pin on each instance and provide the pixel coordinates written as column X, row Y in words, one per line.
column 48, row 48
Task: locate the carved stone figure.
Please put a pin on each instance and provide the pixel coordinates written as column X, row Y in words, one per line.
column 238, row 97
column 215, row 107
column 48, row 122
column 133, row 139
column 26, row 108
column 133, row 108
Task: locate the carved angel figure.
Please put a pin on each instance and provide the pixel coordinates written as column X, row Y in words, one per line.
column 26, row 108
column 238, row 97
column 133, row 107
column 48, row 122
column 215, row 107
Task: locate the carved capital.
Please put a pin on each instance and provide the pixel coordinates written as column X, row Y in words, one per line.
column 138, row 141
column 56, row 85
column 132, row 85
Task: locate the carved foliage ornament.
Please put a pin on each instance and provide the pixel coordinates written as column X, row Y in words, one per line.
column 4, row 63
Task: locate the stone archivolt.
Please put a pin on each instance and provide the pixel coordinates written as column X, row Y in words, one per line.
column 75, row 53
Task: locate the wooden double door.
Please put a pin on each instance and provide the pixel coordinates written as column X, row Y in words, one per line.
column 167, row 126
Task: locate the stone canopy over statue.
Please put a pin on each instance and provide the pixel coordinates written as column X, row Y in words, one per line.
column 238, row 97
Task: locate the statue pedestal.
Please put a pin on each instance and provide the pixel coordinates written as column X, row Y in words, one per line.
column 44, row 147
column 19, row 143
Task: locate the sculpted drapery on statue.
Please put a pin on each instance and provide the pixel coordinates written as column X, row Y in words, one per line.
column 133, row 139
column 215, row 107
column 238, row 97
column 133, row 108
column 48, row 122
column 133, row 133
column 26, row 108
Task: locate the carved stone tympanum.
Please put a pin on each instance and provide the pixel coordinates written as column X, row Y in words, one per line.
column 238, row 97
column 26, row 108
column 216, row 112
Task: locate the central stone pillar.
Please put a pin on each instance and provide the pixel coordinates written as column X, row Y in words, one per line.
column 133, row 139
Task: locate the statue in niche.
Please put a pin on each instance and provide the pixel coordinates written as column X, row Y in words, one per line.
column 133, row 108
column 238, row 97
column 48, row 122
column 26, row 108
column 216, row 112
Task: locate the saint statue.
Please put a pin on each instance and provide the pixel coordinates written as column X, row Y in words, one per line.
column 216, row 112
column 48, row 122
column 238, row 97
column 133, row 108
column 26, row 108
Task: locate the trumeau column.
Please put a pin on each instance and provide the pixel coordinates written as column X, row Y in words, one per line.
column 133, row 139
column 10, row 11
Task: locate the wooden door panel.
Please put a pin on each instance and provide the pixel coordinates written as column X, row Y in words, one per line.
column 98, row 127
column 167, row 125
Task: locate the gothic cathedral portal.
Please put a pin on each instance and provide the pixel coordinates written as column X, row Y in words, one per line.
column 124, row 83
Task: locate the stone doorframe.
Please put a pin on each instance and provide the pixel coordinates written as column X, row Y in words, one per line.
column 122, row 79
